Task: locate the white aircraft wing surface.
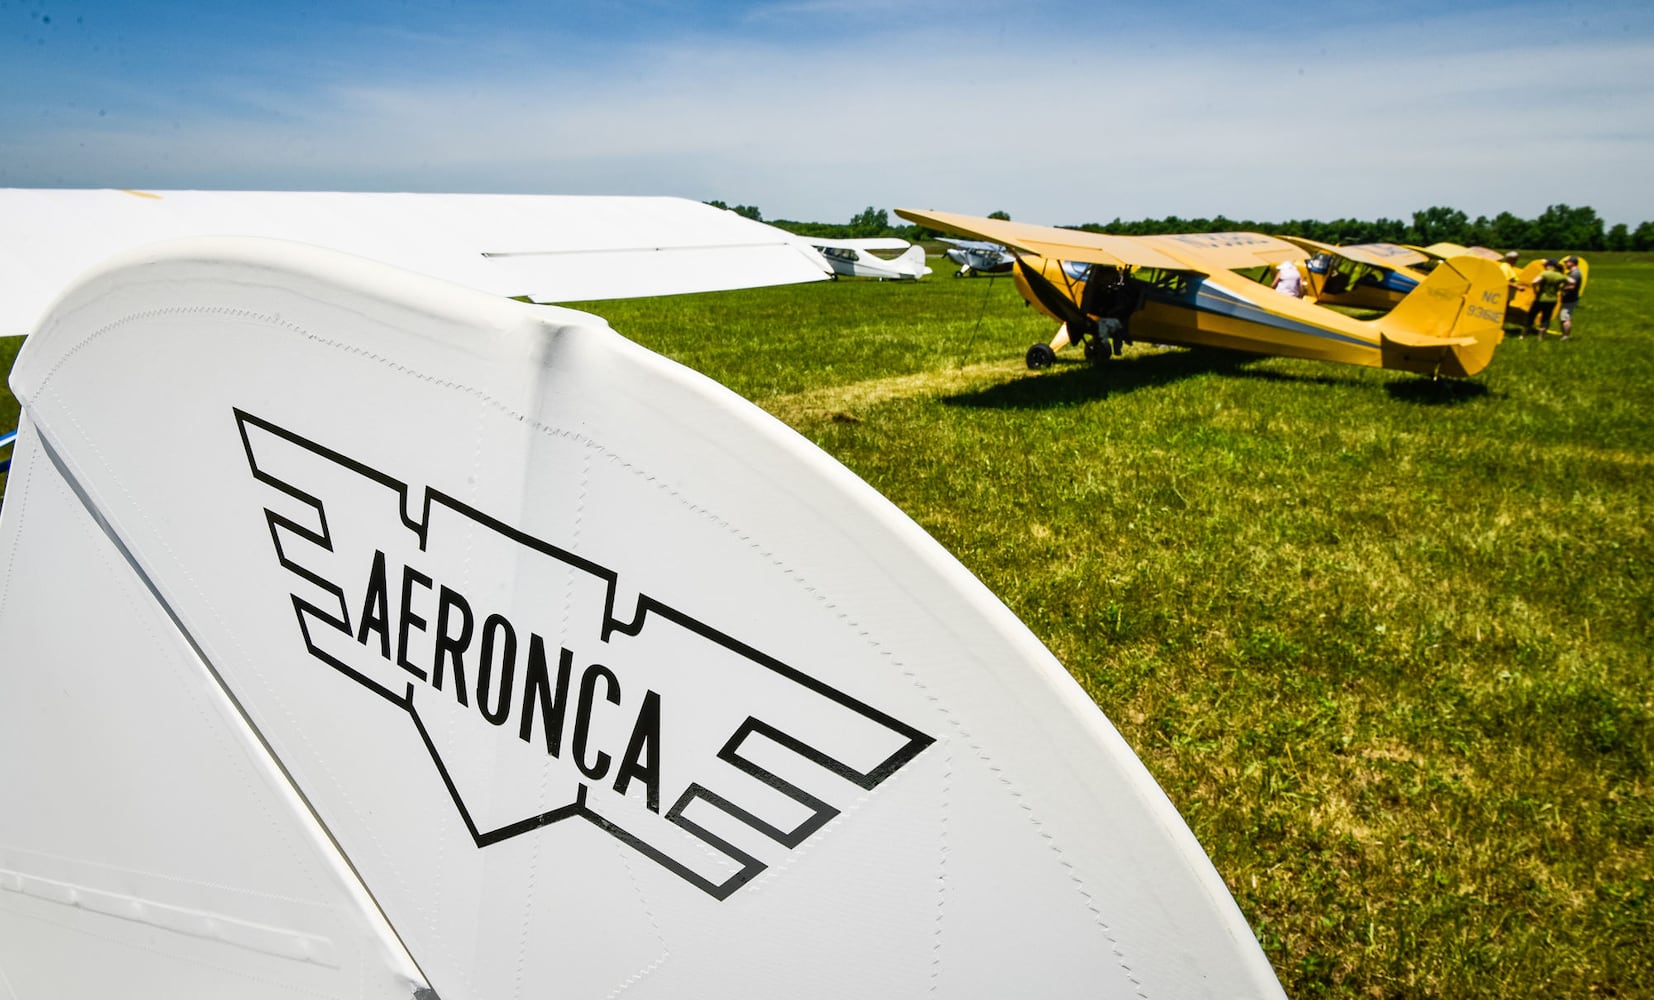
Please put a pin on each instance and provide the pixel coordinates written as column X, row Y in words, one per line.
column 549, row 248
column 370, row 636
column 862, row 243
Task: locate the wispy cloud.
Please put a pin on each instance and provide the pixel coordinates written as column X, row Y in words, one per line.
column 929, row 113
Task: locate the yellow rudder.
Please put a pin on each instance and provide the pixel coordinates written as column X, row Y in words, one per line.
column 1450, row 324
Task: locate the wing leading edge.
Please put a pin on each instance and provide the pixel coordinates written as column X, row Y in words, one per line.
column 548, row 248
column 1050, row 241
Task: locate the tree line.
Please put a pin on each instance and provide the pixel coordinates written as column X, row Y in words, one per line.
column 1559, row 227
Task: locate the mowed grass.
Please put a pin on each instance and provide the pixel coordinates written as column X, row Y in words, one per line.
column 9, row 346
column 1385, row 642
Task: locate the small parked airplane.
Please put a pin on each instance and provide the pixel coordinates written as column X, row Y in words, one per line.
column 1362, row 275
column 978, row 257
column 1212, row 290
column 449, row 645
column 855, row 258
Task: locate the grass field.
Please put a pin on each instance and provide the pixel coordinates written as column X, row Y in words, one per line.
column 1387, row 643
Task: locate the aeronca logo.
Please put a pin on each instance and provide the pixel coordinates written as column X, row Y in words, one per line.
column 538, row 700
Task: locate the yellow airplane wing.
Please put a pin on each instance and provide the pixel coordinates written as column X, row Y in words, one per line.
column 1313, row 246
column 1225, row 251
column 1390, row 255
column 1054, row 243
column 1446, row 250
column 1386, row 255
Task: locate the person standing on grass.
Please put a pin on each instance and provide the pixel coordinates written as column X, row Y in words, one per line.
column 1546, row 287
column 1570, row 294
column 1507, row 267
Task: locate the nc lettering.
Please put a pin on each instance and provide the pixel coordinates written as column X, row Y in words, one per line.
column 485, row 663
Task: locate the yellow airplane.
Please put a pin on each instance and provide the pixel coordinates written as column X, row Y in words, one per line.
column 1362, row 275
column 1212, row 290
column 1522, row 297
column 1521, row 289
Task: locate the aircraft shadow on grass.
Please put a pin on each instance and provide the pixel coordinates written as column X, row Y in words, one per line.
column 1437, row 392
column 1076, row 381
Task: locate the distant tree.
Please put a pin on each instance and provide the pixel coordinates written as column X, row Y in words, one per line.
column 1507, row 232
column 750, row 211
column 1389, row 231
column 1563, row 228
column 1478, row 233
column 870, row 222
column 1001, row 216
column 1440, row 224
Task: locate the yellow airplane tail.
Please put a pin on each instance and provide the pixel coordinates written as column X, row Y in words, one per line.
column 1450, row 323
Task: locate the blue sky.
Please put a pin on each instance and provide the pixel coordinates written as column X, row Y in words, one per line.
column 815, row 109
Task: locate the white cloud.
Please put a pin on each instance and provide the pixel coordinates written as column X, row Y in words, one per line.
column 1258, row 126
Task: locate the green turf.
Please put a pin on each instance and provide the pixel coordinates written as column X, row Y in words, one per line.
column 1387, row 643
column 9, row 346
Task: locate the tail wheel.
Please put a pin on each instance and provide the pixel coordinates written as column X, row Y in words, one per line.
column 1041, row 356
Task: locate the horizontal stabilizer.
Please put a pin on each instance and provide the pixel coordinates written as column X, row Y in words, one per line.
column 1402, row 338
column 869, row 243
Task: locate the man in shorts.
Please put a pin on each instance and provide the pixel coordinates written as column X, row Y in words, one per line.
column 1546, row 287
column 1570, row 294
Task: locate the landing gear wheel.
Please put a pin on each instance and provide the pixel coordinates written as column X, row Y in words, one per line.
column 1096, row 349
column 1041, row 356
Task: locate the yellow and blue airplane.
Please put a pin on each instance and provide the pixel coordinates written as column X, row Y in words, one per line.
column 1213, row 290
column 1362, row 275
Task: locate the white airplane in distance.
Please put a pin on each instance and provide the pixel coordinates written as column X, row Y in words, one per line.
column 978, row 257
column 454, row 646
column 856, row 259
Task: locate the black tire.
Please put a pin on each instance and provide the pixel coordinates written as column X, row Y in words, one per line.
column 1040, row 356
column 1096, row 349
